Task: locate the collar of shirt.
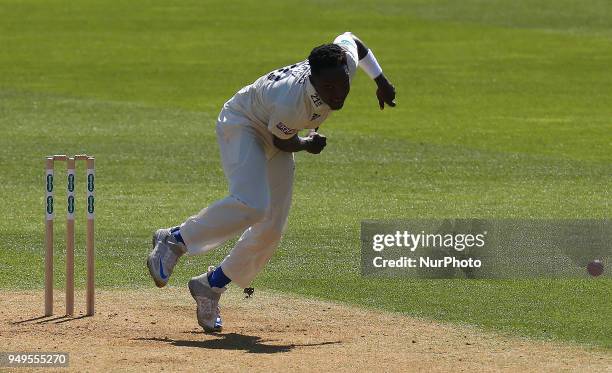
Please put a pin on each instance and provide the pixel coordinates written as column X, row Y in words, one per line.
column 318, row 106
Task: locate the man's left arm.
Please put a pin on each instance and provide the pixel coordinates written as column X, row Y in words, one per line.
column 367, row 61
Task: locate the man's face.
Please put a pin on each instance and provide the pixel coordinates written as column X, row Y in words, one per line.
column 332, row 85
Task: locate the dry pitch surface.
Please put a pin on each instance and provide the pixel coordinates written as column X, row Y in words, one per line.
column 157, row 329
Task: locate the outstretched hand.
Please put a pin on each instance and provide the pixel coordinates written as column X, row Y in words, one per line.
column 385, row 92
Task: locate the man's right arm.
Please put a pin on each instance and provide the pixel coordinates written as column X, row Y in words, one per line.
column 314, row 143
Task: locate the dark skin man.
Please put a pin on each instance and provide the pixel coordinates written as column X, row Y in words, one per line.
column 333, row 87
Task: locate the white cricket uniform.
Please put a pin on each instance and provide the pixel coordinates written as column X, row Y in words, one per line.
column 260, row 176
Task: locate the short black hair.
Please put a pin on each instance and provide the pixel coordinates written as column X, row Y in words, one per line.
column 326, row 56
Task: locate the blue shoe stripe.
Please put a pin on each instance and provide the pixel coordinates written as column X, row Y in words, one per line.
column 161, row 270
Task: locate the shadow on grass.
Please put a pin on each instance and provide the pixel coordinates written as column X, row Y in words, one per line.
column 234, row 341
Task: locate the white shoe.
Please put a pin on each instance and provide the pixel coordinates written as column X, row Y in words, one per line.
column 162, row 259
column 207, row 300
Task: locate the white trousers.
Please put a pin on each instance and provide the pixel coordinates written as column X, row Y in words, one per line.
column 260, row 185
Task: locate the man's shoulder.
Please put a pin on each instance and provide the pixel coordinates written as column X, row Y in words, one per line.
column 297, row 72
column 286, row 86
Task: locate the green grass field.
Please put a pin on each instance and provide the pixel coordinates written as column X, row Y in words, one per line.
column 504, row 110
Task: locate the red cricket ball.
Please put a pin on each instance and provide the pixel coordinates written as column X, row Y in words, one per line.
column 595, row 268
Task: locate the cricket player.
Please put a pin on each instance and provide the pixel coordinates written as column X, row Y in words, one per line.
column 257, row 131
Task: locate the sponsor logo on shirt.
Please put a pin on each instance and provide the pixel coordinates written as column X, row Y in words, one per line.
column 315, row 116
column 316, row 100
column 284, row 129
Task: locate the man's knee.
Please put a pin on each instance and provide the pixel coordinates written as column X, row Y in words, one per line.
column 254, row 212
column 268, row 237
column 273, row 236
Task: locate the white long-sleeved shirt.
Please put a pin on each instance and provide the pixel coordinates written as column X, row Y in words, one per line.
column 284, row 101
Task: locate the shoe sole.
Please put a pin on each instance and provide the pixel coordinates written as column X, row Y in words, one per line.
column 206, row 328
column 158, row 283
